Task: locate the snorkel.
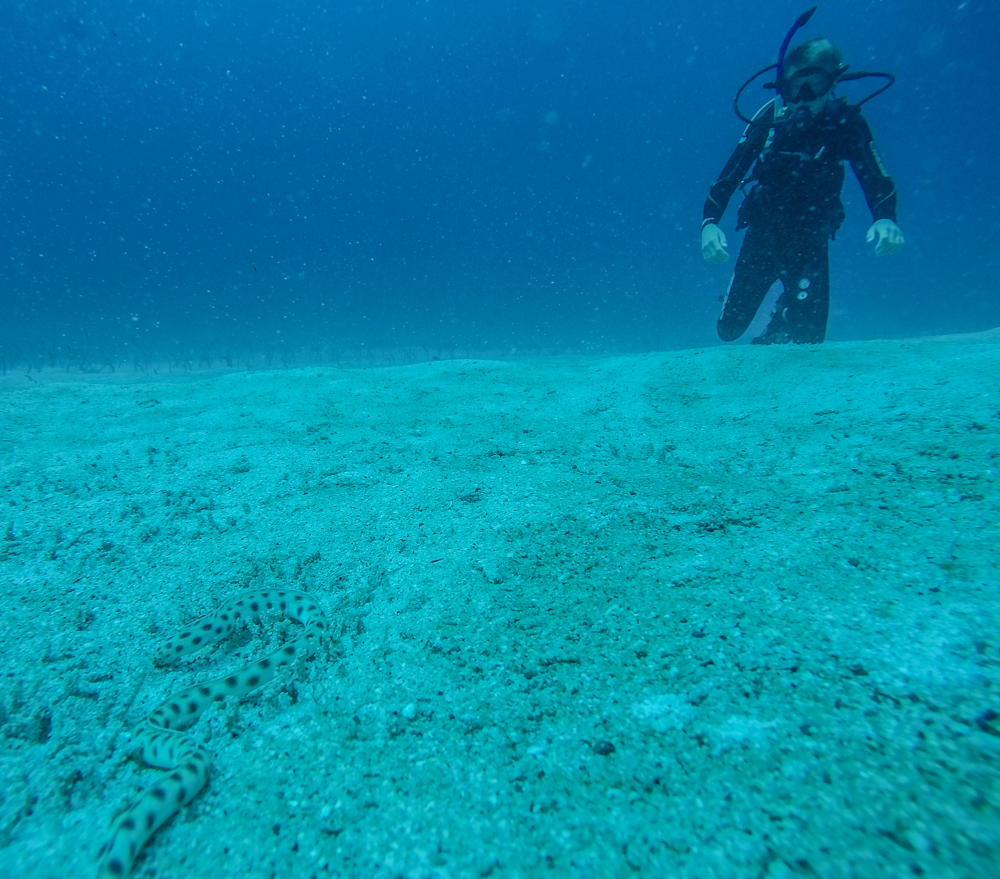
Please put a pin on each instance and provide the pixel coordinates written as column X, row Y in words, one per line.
column 779, row 68
column 799, row 22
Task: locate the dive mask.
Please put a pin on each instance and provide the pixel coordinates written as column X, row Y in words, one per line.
column 807, row 84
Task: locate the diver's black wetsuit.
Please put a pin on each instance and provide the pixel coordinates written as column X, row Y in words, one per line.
column 791, row 213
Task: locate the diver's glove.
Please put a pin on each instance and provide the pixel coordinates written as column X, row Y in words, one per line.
column 890, row 237
column 713, row 243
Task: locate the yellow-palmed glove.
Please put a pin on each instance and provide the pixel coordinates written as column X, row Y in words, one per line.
column 890, row 237
column 713, row 244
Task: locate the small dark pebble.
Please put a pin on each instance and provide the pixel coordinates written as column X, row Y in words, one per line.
column 983, row 720
column 603, row 748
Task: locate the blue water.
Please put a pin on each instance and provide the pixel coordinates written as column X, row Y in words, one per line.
column 520, row 176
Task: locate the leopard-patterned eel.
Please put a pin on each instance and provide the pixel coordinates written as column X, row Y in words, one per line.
column 165, row 747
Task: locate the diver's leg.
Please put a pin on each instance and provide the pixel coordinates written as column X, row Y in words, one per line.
column 802, row 310
column 756, row 270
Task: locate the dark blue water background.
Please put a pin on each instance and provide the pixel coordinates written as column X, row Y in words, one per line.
column 309, row 176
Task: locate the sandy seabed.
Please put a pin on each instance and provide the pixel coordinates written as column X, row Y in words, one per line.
column 731, row 612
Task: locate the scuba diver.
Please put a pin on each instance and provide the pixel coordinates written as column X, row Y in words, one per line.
column 791, row 156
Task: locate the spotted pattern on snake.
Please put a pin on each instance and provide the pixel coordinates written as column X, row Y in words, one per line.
column 159, row 736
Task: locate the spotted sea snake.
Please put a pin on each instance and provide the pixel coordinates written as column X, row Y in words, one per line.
column 159, row 736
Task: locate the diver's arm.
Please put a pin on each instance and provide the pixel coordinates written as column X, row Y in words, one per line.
column 743, row 157
column 877, row 185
